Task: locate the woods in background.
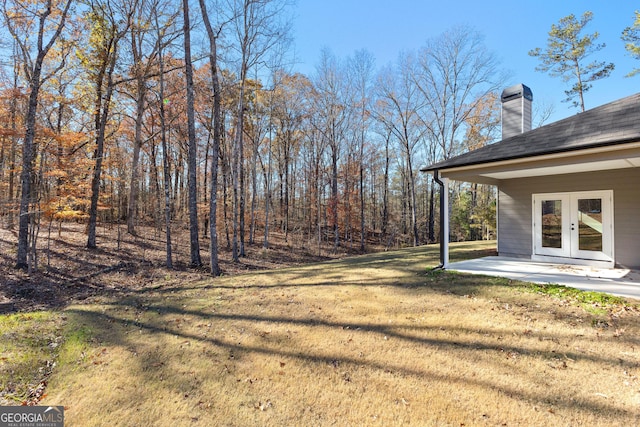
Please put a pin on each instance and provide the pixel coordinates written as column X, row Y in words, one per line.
column 142, row 112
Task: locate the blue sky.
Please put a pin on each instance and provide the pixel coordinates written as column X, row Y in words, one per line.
column 511, row 29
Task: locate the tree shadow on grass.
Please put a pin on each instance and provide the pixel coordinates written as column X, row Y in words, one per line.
column 108, row 326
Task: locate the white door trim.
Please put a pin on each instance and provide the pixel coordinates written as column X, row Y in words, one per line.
column 564, row 250
column 569, row 250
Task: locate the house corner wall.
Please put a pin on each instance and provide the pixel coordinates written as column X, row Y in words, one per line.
column 514, row 221
column 515, row 210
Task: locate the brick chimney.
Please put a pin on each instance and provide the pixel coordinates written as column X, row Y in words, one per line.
column 516, row 110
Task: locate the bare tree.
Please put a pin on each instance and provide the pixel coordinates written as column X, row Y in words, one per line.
column 361, row 68
column 108, row 25
column 259, row 123
column 213, row 36
column 144, row 57
column 194, row 242
column 287, row 103
column 332, row 123
column 542, row 112
column 260, row 26
column 455, row 71
column 384, row 130
column 161, row 41
column 13, row 122
column 315, row 144
column 399, row 107
column 47, row 20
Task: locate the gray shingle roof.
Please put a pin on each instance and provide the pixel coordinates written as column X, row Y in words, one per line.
column 615, row 123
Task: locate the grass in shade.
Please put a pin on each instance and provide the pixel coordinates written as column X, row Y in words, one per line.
column 369, row 340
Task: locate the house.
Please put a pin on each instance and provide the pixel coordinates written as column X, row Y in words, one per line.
column 568, row 192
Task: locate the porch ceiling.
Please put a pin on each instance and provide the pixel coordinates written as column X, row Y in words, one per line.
column 604, row 158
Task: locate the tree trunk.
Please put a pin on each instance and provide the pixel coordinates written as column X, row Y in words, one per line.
column 217, row 136
column 137, row 144
column 414, row 215
column 236, row 203
column 238, row 176
column 241, row 173
column 205, row 182
column 28, row 158
column 165, row 154
column 362, row 231
column 102, row 114
column 334, row 196
column 101, row 117
column 28, row 149
column 194, row 242
column 267, row 184
column 225, row 191
column 318, row 204
column 154, row 204
column 254, row 192
column 287, row 154
column 431, row 221
column 14, row 145
column 385, row 190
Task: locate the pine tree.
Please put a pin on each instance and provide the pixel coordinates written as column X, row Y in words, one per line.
column 566, row 53
column 631, row 37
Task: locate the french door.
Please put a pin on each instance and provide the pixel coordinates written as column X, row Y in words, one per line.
column 574, row 225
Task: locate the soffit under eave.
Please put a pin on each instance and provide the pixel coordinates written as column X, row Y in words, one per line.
column 554, row 164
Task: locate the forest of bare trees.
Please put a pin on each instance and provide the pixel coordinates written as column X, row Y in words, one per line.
column 186, row 115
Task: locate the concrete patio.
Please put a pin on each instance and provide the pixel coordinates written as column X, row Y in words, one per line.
column 618, row 281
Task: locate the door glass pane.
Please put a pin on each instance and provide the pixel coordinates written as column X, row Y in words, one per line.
column 552, row 223
column 590, row 224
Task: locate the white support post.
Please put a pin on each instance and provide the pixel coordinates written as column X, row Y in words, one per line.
column 445, row 226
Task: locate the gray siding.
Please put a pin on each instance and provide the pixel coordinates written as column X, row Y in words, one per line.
column 515, row 206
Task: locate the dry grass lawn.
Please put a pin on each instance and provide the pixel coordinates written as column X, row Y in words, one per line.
column 371, row 340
